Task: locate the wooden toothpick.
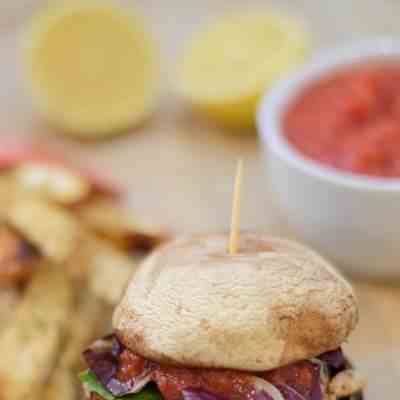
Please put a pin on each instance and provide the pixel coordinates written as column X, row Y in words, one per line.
column 235, row 222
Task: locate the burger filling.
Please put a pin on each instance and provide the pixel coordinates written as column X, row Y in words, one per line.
column 116, row 372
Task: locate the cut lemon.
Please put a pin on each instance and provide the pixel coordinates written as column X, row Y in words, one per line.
column 227, row 67
column 92, row 67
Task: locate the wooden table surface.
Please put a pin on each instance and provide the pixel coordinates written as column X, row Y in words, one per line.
column 179, row 170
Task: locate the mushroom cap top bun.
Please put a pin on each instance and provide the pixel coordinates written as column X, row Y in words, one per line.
column 192, row 304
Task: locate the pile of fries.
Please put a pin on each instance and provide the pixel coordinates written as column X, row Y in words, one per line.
column 67, row 251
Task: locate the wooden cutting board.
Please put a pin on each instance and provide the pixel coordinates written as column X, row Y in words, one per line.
column 179, row 170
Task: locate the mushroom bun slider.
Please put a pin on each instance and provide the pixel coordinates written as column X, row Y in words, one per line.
column 198, row 323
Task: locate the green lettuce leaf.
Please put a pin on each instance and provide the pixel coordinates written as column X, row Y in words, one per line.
column 92, row 384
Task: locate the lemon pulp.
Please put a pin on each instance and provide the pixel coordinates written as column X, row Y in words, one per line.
column 92, row 68
column 227, row 67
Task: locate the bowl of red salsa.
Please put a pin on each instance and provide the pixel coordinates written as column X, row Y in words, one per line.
column 331, row 134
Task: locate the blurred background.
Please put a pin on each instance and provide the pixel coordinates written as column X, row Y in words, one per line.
column 171, row 132
column 177, row 167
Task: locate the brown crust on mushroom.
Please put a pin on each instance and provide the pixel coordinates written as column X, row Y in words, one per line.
column 275, row 302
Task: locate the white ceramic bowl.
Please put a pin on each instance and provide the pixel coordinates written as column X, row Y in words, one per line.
column 351, row 219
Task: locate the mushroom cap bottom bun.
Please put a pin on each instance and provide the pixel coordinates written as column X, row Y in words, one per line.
column 192, row 304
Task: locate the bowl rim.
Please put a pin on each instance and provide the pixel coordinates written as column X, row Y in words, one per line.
column 275, row 101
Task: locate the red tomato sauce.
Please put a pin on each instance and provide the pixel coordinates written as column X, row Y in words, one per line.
column 228, row 384
column 350, row 120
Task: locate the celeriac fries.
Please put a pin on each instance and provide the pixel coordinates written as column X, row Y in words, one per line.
column 67, row 251
column 30, row 344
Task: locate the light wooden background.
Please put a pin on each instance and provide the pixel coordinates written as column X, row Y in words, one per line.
column 179, row 171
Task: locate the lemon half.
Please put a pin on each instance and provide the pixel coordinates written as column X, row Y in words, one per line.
column 92, row 67
column 229, row 65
